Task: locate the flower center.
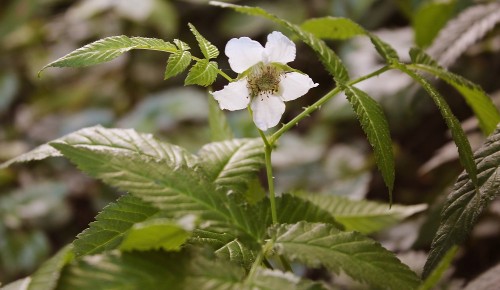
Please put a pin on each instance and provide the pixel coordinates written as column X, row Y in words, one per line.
column 264, row 80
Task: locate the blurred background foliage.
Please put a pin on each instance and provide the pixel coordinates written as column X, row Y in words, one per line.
column 43, row 205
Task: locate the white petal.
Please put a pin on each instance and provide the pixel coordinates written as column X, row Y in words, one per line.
column 243, row 53
column 267, row 111
column 279, row 48
column 294, row 85
column 234, row 96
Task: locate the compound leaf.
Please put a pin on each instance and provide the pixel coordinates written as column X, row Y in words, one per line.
column 203, row 73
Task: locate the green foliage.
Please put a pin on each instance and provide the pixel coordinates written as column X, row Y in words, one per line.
column 338, row 28
column 431, row 281
column 209, row 50
column 467, row 201
column 375, row 125
column 361, row 258
column 203, row 73
column 177, row 63
column 47, row 276
column 115, row 221
column 477, row 99
column 464, row 149
column 219, row 127
column 330, row 60
column 437, row 13
column 109, row 48
column 361, row 215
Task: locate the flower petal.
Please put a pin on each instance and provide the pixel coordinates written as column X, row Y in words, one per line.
column 243, row 52
column 267, row 111
column 234, row 96
column 294, row 85
column 279, row 48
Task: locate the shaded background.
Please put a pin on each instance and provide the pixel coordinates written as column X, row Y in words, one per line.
column 44, row 205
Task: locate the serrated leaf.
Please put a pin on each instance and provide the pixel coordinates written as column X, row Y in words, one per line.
column 39, row 153
column 233, row 163
column 336, row 28
column 134, row 270
column 237, row 252
column 107, row 49
column 474, row 95
column 361, row 215
column 359, row 257
column 111, row 225
column 203, row 73
column 160, row 173
column 177, row 63
column 207, row 49
column 457, row 133
column 219, row 127
column 158, row 233
column 466, row 202
column 327, row 56
column 375, row 125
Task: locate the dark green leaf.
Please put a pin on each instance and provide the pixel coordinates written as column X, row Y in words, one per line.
column 363, row 259
column 436, row 13
column 477, row 99
column 115, row 220
column 465, row 204
column 464, row 149
column 209, row 50
column 375, row 125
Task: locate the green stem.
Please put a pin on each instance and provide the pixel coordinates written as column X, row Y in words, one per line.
column 307, row 111
column 270, row 180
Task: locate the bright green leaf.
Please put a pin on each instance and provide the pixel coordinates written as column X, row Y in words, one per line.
column 374, row 123
column 477, row 99
column 203, row 73
column 159, row 233
column 363, row 259
column 328, row 57
column 432, row 280
column 361, row 215
column 464, row 205
column 111, row 224
column 209, row 50
column 109, row 48
column 177, row 63
column 464, row 149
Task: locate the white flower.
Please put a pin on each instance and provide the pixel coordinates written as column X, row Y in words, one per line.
column 265, row 84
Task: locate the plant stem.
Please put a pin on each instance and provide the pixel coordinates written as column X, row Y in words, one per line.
column 270, row 180
column 307, row 111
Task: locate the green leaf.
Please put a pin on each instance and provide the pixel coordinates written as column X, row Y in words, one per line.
column 39, row 153
column 160, row 173
column 219, row 127
column 436, row 275
column 338, row 28
column 457, row 133
column 266, row 279
column 436, row 13
column 177, row 63
column 237, row 252
column 128, row 271
column 477, row 99
column 107, row 49
column 361, row 258
column 209, row 50
column 327, row 56
column 465, row 204
column 375, row 125
column 292, row 209
column 111, row 225
column 233, row 163
column 361, row 215
column 47, row 276
column 158, row 233
column 203, row 73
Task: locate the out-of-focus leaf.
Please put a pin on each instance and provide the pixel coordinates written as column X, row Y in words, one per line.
column 47, row 276
column 361, row 215
column 436, row 13
column 9, row 85
column 219, row 127
column 437, row 273
column 467, row 201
